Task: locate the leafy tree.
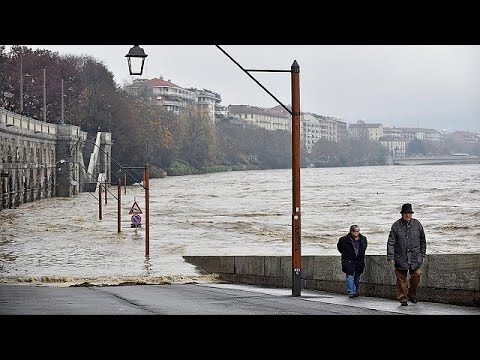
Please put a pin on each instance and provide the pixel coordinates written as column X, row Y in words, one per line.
column 198, row 142
column 171, row 131
column 351, row 152
column 325, row 153
column 33, row 62
column 94, row 94
column 416, row 147
column 251, row 145
column 6, row 91
column 436, row 148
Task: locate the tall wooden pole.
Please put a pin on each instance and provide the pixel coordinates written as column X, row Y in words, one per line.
column 119, row 209
column 63, row 106
column 44, row 97
column 21, row 84
column 99, row 200
column 296, row 211
column 147, row 210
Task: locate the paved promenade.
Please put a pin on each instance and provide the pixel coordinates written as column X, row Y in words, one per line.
column 201, row 299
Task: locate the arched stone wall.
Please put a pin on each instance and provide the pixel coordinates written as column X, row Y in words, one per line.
column 40, row 160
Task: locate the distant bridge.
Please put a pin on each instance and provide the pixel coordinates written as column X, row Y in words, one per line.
column 435, row 160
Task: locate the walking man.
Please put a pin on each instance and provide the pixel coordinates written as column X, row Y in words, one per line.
column 406, row 248
column 352, row 247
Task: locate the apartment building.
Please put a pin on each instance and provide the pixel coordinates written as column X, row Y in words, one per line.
column 161, row 92
column 408, row 134
column 314, row 127
column 270, row 119
column 207, row 100
column 310, row 130
column 396, row 146
column 362, row 130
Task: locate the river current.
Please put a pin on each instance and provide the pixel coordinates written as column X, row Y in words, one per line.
column 235, row 213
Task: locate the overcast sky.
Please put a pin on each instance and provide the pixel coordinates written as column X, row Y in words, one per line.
column 429, row 86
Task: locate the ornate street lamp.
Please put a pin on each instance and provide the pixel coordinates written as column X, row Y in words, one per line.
column 136, row 58
column 295, row 113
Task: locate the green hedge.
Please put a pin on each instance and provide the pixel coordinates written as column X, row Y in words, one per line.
column 180, row 168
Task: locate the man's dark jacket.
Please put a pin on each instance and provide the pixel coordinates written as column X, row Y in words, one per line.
column 407, row 244
column 352, row 263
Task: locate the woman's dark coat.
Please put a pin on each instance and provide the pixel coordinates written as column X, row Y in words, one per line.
column 352, row 263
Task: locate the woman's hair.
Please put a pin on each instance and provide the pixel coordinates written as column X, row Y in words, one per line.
column 354, row 228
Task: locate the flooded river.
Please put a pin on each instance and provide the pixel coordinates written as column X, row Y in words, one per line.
column 235, row 213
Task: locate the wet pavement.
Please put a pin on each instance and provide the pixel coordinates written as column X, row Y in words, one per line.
column 201, row 299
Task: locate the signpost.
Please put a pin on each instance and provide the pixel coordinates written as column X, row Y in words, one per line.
column 136, row 212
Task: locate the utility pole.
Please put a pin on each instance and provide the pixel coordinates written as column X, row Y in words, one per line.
column 21, row 84
column 44, row 98
column 146, row 182
column 63, row 106
column 296, row 211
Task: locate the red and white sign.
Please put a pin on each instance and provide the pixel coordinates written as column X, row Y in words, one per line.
column 135, row 209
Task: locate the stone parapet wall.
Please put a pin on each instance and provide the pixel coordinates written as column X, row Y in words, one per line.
column 446, row 278
column 38, row 160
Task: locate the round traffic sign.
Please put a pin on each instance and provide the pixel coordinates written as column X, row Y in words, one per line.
column 136, row 219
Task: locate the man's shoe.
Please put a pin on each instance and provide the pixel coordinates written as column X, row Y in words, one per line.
column 404, row 303
column 413, row 301
column 351, row 295
column 356, row 295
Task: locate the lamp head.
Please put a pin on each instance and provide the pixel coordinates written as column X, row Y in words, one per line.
column 136, row 59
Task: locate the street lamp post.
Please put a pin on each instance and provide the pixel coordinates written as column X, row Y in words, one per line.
column 139, row 54
column 63, row 107
column 296, row 213
column 26, row 108
column 296, row 209
column 21, row 84
column 44, row 97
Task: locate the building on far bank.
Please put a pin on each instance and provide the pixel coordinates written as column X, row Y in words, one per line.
column 362, row 130
column 313, row 127
column 269, row 119
column 174, row 98
column 396, row 146
column 207, row 100
column 409, row 134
